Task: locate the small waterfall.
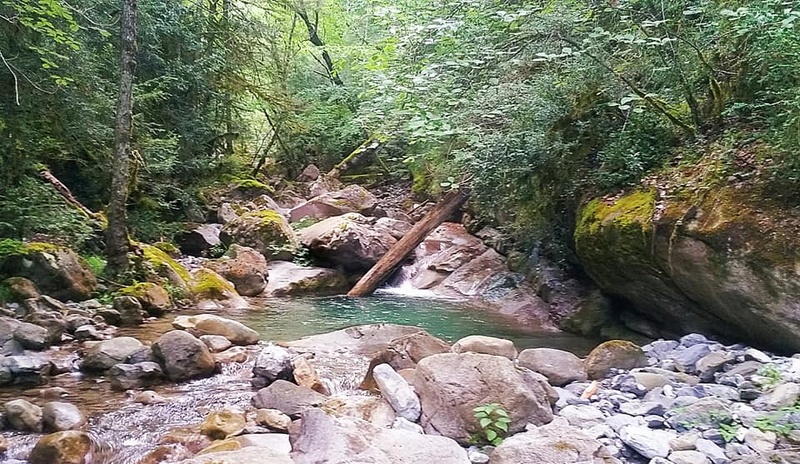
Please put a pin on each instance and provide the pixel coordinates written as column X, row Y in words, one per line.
column 402, row 282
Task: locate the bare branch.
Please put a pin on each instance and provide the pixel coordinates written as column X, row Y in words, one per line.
column 16, row 80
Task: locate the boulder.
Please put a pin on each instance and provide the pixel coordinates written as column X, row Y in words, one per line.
column 183, row 356
column 23, row 415
column 153, row 298
column 350, row 241
column 56, row 271
column 273, row 363
column 613, row 354
column 287, row 398
column 451, row 385
column 247, row 455
column 306, row 376
column 48, row 313
column 24, row 370
column 322, row 438
column 31, row 336
column 310, row 173
column 130, row 310
column 154, row 265
column 237, row 354
column 265, row 231
column 20, row 289
column 198, row 239
column 210, row 324
column 351, row 199
column 223, row 424
column 216, row 343
column 486, row 345
column 212, row 291
column 698, row 263
column 552, row 444
column 782, row 396
column 58, row 416
column 559, row 367
column 67, row 447
column 105, row 354
column 375, row 410
column 134, row 376
column 397, row 392
column 245, row 267
column 289, row 279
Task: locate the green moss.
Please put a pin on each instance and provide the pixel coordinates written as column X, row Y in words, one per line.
column 138, row 290
column 168, row 248
column 10, row 247
column 158, row 260
column 40, row 247
column 208, row 284
column 267, row 216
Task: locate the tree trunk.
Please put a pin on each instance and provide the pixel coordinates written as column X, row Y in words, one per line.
column 314, row 38
column 389, row 262
column 117, row 244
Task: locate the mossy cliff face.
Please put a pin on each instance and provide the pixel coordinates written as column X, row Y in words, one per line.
column 722, row 263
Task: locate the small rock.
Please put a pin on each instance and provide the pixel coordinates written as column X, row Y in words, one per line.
column 684, row 442
column 133, row 376
column 582, row 416
column 692, row 339
column 782, row 396
column 613, row 354
column 643, row 408
column 223, row 424
column 760, row 441
column 712, row 451
column 23, row 415
column 58, row 417
column 273, row 363
column 306, row 376
column 105, row 354
column 476, row 456
column 287, row 397
column 649, row 443
column 183, row 356
column 686, row 360
column 273, row 419
column 149, row 397
column 688, row 457
column 397, row 392
column 236, row 354
column 560, row 367
column 130, row 310
column 401, row 423
column 486, row 345
column 216, row 343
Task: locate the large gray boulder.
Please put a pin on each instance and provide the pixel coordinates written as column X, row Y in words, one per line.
column 56, row 271
column 211, row 324
column 320, row 438
column 132, row 376
column 105, row 354
column 451, row 385
column 289, row 279
column 351, row 199
column 287, row 398
column 552, row 444
column 350, row 241
column 183, row 356
column 58, row 416
column 560, row 367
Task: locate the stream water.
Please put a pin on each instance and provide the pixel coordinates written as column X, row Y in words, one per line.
column 123, row 431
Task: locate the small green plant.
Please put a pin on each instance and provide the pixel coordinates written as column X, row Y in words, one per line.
column 728, row 431
column 97, row 264
column 772, row 376
column 782, row 421
column 217, row 251
column 302, row 257
column 307, row 221
column 9, row 247
column 493, row 421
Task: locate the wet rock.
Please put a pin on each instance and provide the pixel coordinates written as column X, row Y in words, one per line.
column 397, row 392
column 23, row 415
column 289, row 279
column 110, row 316
column 197, row 240
column 134, row 376
column 3, row 444
column 223, row 424
column 149, row 397
column 56, row 271
column 306, row 376
column 48, row 313
column 212, row 292
column 614, row 354
column 451, row 385
column 245, row 267
column 87, row 332
column 105, row 354
column 237, row 354
column 183, row 356
column 154, row 298
column 273, row 363
column 58, row 416
column 287, row 397
column 67, row 447
column 486, row 345
column 552, row 444
column 351, row 199
column 273, row 419
column 26, row 369
column 322, row 438
column 349, row 241
column 265, row 231
column 77, row 320
column 142, row 354
column 216, row 343
column 130, row 310
column 647, row 442
column 210, row 324
column 560, row 367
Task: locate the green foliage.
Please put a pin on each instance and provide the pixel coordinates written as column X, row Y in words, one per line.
column 783, row 421
column 771, row 376
column 493, row 421
column 302, row 256
column 728, row 431
column 10, row 247
column 217, row 251
column 96, row 263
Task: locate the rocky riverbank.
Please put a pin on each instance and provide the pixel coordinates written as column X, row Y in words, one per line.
column 386, row 393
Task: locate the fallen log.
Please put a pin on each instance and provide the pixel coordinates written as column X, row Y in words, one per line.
column 389, row 262
column 65, row 192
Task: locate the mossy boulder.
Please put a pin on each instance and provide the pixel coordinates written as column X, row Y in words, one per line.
column 56, row 271
column 19, row 289
column 265, row 231
column 724, row 262
column 351, row 199
column 613, row 354
column 211, row 291
column 245, row 267
column 151, row 264
column 153, row 298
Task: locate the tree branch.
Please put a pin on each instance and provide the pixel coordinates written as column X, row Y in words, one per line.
column 16, row 80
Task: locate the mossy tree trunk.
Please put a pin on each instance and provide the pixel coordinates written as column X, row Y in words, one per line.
column 117, row 244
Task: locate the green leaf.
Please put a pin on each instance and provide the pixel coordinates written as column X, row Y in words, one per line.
column 502, row 426
column 485, row 422
column 491, row 434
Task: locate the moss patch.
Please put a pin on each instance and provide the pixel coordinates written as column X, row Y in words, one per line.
column 208, row 284
column 159, row 260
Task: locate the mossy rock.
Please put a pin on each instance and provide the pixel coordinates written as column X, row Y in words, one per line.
column 169, row 248
column 613, row 354
column 154, row 265
column 211, row 291
column 265, row 231
column 56, row 271
column 153, row 298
